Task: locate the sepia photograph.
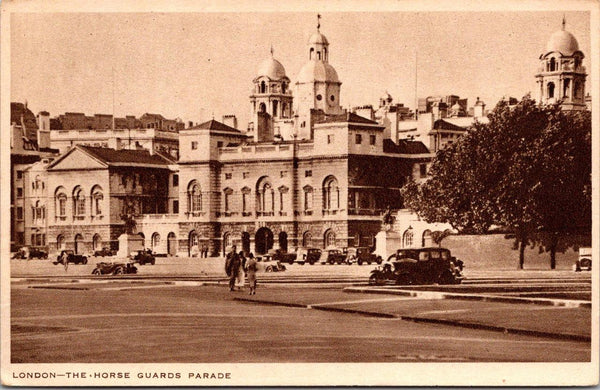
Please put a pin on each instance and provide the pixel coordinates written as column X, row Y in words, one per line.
column 299, row 194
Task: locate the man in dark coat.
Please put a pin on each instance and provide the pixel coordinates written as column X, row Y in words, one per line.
column 232, row 266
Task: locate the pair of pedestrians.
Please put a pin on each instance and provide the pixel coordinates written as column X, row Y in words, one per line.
column 236, row 266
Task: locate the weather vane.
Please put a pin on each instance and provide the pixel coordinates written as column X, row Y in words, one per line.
column 318, row 21
column 564, row 22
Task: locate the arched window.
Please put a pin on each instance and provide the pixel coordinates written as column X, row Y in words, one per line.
column 331, row 194
column 329, row 238
column 427, row 238
column 550, row 90
column 155, row 241
column 263, row 87
column 60, row 202
column 319, row 55
column 407, row 238
column 577, row 92
column 96, row 242
column 262, row 107
column 265, row 196
column 283, row 87
column 284, row 107
column 325, row 54
column 194, row 196
column 78, row 203
column 97, row 197
column 60, row 242
column 282, row 191
column 312, row 52
column 566, row 85
column 552, row 64
column 275, row 107
column 307, row 239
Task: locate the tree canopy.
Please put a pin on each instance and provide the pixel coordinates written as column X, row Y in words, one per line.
column 528, row 169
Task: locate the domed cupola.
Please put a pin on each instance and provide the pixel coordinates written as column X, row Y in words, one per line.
column 271, row 68
column 561, row 75
column 318, row 85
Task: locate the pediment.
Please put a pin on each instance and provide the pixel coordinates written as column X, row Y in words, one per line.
column 77, row 159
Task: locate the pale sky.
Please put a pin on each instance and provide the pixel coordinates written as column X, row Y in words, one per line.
column 191, row 65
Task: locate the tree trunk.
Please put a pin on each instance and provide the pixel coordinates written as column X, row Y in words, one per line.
column 553, row 246
column 522, row 243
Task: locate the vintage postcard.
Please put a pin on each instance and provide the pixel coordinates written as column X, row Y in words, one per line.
column 301, row 193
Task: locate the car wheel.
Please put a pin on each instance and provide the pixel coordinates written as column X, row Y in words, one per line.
column 84, row 261
column 446, row 277
column 373, row 280
column 359, row 262
column 96, row 271
column 379, row 260
column 369, row 262
column 331, row 261
column 311, row 262
column 118, row 271
column 153, row 261
column 269, row 269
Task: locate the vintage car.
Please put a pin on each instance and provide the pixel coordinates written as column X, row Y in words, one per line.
column 308, row 255
column 418, row 266
column 283, row 256
column 105, row 252
column 333, row 256
column 37, row 253
column 584, row 262
column 71, row 257
column 104, row 268
column 363, row 255
column 144, row 257
column 277, row 267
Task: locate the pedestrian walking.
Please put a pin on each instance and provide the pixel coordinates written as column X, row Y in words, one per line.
column 65, row 260
column 232, row 266
column 251, row 268
column 240, row 281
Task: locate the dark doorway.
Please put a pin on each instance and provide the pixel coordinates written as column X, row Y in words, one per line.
column 78, row 244
column 171, row 244
column 246, row 242
column 263, row 240
column 283, row 241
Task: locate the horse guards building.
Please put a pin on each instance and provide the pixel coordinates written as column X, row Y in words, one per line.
column 305, row 172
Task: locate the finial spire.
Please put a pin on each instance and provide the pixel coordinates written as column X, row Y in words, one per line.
column 318, row 21
column 564, row 21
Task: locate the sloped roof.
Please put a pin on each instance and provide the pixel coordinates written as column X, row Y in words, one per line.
column 347, row 117
column 441, row 124
column 215, row 125
column 404, row 147
column 120, row 157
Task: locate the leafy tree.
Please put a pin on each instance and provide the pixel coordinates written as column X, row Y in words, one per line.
column 528, row 169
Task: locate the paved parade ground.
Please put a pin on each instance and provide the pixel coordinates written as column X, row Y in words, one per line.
column 180, row 310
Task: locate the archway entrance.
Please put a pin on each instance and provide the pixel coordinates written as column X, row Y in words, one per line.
column 306, row 239
column 246, row 242
column 78, row 244
column 60, row 242
column 96, row 242
column 171, row 244
column 427, row 239
column 283, row 241
column 329, row 238
column 226, row 242
column 155, row 241
column 263, row 240
column 143, row 239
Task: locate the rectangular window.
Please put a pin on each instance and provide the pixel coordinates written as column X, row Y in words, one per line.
column 175, row 207
column 19, row 174
column 194, row 145
column 19, row 213
column 228, row 176
column 219, row 144
column 358, row 139
column 175, row 180
column 372, row 139
column 19, row 192
column 423, row 170
column 282, row 173
column 308, row 173
column 246, row 175
column 329, row 138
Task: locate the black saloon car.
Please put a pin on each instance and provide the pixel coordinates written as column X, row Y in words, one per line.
column 71, row 257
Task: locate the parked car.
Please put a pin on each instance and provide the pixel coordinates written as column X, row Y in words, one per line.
column 284, row 257
column 333, row 256
column 104, row 268
column 37, row 253
column 362, row 255
column 584, row 262
column 308, row 255
column 105, row 252
column 71, row 257
column 144, row 257
column 277, row 267
column 418, row 266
